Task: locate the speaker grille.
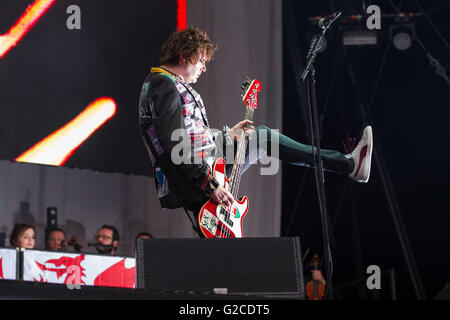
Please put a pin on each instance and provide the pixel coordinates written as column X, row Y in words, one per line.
column 260, row 266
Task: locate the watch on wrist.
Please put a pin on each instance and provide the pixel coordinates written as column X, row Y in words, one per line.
column 213, row 184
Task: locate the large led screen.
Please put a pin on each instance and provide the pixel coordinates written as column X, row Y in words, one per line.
column 70, row 78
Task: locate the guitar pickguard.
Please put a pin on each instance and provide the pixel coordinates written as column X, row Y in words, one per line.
column 214, row 220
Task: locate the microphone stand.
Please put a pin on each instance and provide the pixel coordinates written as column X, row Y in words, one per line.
column 316, row 44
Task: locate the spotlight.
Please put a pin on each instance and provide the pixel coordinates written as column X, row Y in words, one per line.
column 402, row 40
column 52, row 213
column 402, row 36
column 52, row 222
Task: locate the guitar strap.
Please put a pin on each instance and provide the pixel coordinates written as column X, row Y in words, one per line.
column 189, row 97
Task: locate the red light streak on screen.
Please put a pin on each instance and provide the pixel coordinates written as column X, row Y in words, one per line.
column 181, row 14
column 31, row 15
column 57, row 148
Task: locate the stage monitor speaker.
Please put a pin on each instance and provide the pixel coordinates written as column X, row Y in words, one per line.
column 267, row 267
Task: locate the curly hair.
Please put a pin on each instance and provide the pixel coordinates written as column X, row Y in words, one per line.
column 185, row 44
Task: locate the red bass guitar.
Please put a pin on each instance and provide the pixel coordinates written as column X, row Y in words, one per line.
column 214, row 220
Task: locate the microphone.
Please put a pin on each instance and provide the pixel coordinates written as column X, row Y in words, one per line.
column 326, row 21
column 62, row 245
column 73, row 243
column 101, row 246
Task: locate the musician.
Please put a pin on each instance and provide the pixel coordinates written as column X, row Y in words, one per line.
column 315, row 284
column 56, row 240
column 169, row 107
column 318, row 276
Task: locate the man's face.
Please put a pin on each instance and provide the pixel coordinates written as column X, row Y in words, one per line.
column 192, row 70
column 55, row 240
column 105, row 237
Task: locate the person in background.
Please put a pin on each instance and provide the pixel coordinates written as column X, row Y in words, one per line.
column 144, row 235
column 56, row 240
column 315, row 283
column 23, row 236
column 108, row 236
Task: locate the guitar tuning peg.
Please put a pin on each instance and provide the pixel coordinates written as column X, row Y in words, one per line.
column 246, row 83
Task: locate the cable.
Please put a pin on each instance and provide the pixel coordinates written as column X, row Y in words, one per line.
column 440, row 70
column 375, row 87
column 192, row 222
column 433, row 25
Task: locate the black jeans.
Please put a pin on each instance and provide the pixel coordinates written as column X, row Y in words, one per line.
column 266, row 141
column 270, row 142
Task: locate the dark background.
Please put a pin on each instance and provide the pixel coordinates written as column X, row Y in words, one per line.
column 54, row 73
column 409, row 118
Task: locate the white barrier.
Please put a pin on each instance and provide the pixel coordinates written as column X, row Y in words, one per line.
column 68, row 268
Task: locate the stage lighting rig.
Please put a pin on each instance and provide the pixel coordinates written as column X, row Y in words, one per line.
column 395, row 27
column 402, row 35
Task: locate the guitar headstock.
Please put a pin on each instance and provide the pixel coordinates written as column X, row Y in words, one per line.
column 250, row 90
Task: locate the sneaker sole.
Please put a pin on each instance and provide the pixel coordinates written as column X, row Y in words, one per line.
column 368, row 161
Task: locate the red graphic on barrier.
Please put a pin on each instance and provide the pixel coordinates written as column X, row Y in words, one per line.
column 1, row 268
column 116, row 276
column 42, row 280
column 72, row 268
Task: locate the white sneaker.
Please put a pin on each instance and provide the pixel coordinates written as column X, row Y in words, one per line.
column 362, row 157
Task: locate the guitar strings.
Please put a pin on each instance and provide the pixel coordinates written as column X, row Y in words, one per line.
column 235, row 177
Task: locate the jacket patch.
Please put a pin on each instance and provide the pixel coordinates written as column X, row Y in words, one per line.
column 187, row 97
column 154, row 139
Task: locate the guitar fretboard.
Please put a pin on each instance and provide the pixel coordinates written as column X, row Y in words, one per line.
column 239, row 160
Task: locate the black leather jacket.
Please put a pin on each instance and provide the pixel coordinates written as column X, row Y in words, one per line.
column 166, row 104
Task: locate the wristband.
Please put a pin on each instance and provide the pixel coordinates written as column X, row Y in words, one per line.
column 213, row 184
column 226, row 135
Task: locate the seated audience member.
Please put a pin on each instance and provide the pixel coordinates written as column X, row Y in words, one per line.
column 73, row 242
column 56, row 240
column 23, row 236
column 109, row 236
column 144, row 235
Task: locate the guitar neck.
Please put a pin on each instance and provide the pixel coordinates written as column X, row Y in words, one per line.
column 250, row 98
column 239, row 159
